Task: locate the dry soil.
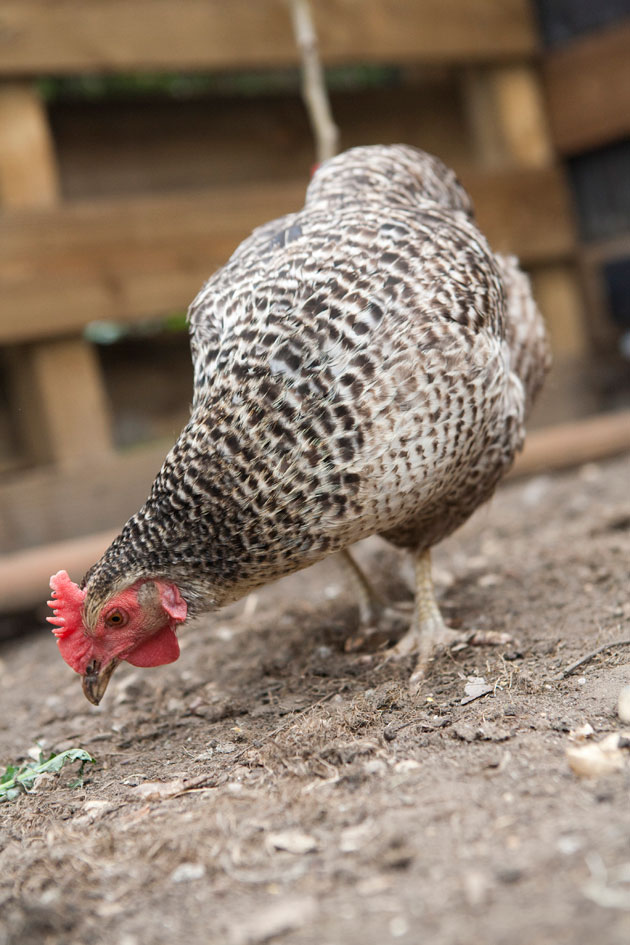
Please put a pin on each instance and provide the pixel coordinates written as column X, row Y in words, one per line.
column 278, row 784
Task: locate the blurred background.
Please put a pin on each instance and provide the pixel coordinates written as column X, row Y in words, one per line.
column 141, row 140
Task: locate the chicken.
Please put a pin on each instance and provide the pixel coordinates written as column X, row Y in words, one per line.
column 363, row 366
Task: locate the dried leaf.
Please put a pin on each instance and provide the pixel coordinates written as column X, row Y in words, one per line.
column 475, row 688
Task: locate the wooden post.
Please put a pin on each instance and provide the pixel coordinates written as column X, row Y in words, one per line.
column 56, row 389
column 508, row 121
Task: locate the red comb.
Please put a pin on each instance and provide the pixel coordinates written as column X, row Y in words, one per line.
column 67, row 604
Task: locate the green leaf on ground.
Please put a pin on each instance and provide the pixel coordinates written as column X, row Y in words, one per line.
column 17, row 780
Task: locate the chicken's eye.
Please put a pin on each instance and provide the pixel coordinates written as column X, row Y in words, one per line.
column 116, row 618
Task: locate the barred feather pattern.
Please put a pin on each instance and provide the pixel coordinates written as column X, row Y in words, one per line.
column 362, row 366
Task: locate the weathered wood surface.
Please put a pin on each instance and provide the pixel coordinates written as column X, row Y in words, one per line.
column 28, row 171
column 55, row 390
column 65, row 36
column 506, row 116
column 134, row 258
column 156, row 145
column 48, row 504
column 564, row 445
column 59, row 394
column 510, row 129
column 588, row 90
column 25, row 575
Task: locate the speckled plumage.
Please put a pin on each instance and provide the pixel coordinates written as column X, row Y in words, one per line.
column 362, row 366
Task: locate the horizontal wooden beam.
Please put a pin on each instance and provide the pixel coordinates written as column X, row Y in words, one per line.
column 134, row 258
column 152, row 144
column 48, row 504
column 588, row 88
column 66, row 36
column 24, row 573
column 603, row 251
column 564, row 445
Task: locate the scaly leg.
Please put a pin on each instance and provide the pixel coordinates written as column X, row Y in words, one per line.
column 373, row 611
column 428, row 633
column 428, row 630
column 368, row 601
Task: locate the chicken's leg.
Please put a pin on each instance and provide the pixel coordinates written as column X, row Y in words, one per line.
column 373, row 611
column 428, row 633
column 368, row 601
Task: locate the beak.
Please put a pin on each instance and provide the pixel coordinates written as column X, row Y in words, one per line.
column 95, row 682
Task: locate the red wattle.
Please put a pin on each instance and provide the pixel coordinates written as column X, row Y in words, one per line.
column 158, row 650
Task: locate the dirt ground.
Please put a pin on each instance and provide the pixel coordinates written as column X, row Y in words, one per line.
column 306, row 797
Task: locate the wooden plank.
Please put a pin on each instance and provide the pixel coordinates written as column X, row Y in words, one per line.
column 57, row 422
column 570, row 444
column 25, row 575
column 46, row 504
column 38, row 36
column 524, row 211
column 28, row 173
column 506, row 109
column 588, row 89
column 602, row 251
column 521, row 115
column 130, row 259
column 560, row 297
column 157, row 145
column 506, row 115
column 64, row 415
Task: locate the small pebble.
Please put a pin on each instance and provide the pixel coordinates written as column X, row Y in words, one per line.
column 406, row 765
column 581, row 733
column 186, row 872
column 477, row 885
column 398, row 926
column 375, row 766
column 568, row 845
column 293, row 841
column 623, row 704
column 594, row 760
column 509, row 874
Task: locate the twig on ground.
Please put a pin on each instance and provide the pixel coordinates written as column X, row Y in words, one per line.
column 391, row 731
column 210, row 780
column 314, row 90
column 589, row 656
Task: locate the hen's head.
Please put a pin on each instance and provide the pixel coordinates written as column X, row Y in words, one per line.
column 137, row 624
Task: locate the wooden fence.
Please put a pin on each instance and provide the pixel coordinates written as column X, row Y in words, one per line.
column 588, row 84
column 80, row 241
